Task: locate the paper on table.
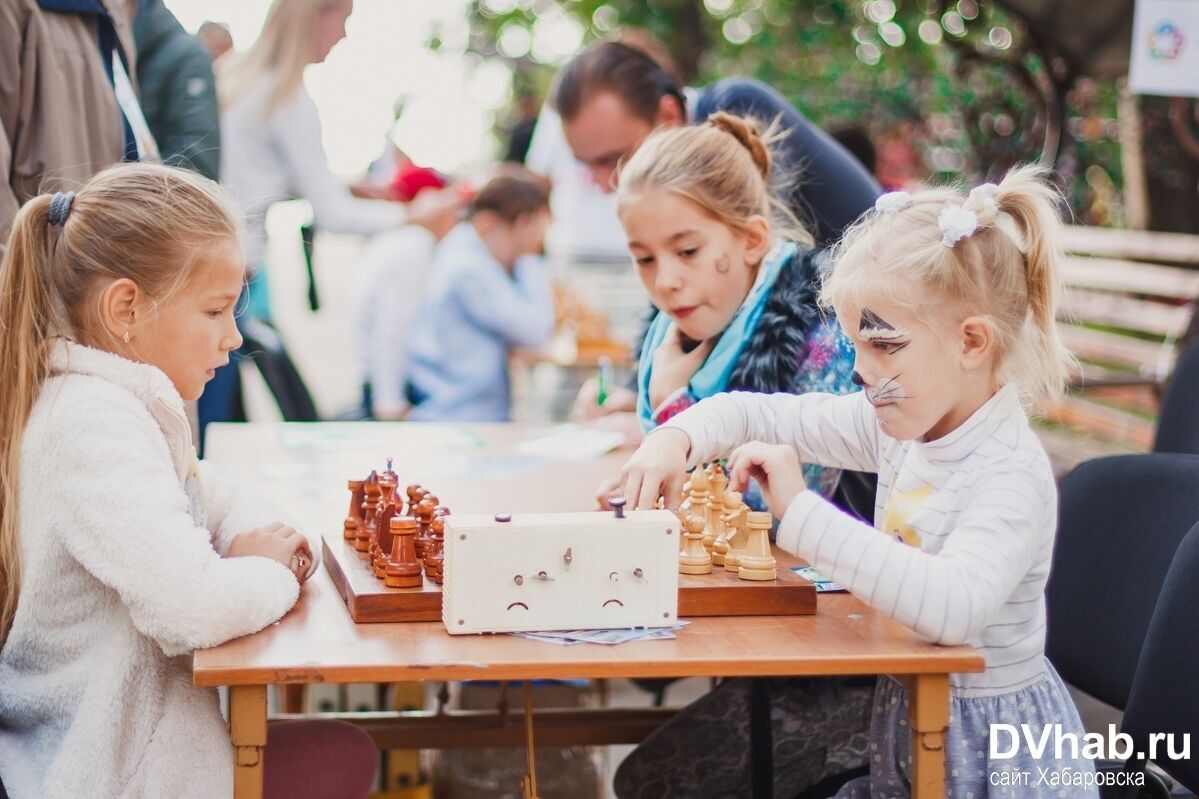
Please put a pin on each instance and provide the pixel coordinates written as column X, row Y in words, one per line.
column 572, row 442
column 614, row 636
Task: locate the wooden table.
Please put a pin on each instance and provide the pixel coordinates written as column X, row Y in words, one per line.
column 477, row 469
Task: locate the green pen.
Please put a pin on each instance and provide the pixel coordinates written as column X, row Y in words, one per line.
column 604, row 379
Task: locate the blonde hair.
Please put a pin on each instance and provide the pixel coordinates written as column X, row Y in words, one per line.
column 723, row 166
column 1006, row 270
column 148, row 223
column 282, row 49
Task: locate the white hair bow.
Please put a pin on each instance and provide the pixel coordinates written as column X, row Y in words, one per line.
column 984, row 195
column 956, row 223
column 892, row 201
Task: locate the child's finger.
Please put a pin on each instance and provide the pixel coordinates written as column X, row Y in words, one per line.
column 648, row 496
column 630, row 488
column 739, row 467
column 293, row 539
column 672, row 492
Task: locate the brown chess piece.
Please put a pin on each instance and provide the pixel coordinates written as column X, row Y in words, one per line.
column 403, row 570
column 389, row 475
column 354, row 516
column 424, row 515
column 435, row 563
column 413, row 492
column 372, row 496
column 756, row 561
column 694, row 559
column 381, row 550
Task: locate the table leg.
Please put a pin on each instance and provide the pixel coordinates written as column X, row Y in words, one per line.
column 247, row 731
column 928, row 714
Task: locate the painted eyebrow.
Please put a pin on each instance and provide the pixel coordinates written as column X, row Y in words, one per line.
column 869, row 320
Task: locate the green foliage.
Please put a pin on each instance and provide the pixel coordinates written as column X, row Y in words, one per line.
column 959, row 83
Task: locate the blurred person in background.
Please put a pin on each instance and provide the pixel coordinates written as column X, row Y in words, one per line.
column 68, row 107
column 612, row 95
column 178, row 92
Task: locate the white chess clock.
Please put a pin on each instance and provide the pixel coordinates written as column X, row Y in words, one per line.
column 560, row 571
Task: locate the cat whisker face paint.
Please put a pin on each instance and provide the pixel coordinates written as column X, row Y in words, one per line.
column 878, row 333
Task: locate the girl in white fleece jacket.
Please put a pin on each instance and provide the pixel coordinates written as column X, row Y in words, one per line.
column 120, row 552
column 950, row 302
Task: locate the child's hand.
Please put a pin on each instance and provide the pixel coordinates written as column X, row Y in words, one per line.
column 673, row 368
column 278, row 542
column 775, row 468
column 587, row 407
column 657, row 468
column 607, row 490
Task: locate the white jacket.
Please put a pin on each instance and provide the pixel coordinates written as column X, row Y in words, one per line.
column 122, row 577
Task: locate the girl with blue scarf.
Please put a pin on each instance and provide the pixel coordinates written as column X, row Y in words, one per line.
column 734, row 281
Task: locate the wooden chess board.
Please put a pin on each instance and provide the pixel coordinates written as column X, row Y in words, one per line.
column 720, row 593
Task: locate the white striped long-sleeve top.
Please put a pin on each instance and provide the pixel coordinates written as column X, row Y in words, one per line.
column 967, row 521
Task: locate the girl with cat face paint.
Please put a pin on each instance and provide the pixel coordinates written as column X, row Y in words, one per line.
column 953, row 300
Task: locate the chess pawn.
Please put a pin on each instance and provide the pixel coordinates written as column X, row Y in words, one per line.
column 720, row 544
column 424, row 515
column 685, row 504
column 435, row 563
column 372, row 496
column 756, row 561
column 735, row 532
column 715, row 512
column 413, row 492
column 694, row 559
column 698, row 498
column 354, row 515
column 402, row 570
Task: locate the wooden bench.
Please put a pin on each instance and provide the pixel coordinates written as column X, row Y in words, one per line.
column 1128, row 310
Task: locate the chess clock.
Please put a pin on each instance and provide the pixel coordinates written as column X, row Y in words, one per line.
column 560, row 571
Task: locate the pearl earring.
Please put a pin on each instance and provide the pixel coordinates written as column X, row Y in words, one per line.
column 125, row 338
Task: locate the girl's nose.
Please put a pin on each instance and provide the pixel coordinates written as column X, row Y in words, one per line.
column 668, row 279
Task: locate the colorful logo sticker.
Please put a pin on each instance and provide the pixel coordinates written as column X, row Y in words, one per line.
column 1165, row 42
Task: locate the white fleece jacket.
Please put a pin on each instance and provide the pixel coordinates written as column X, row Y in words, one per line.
column 122, row 535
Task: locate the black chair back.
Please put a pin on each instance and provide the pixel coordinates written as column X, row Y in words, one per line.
column 1164, row 697
column 1120, row 522
column 1178, row 422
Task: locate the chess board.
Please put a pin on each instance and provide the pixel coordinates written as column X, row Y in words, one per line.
column 720, row 593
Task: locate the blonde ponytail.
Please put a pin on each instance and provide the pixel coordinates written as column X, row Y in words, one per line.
column 26, row 310
column 1026, row 197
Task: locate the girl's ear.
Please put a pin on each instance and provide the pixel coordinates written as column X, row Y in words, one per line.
column 977, row 338
column 757, row 239
column 120, row 307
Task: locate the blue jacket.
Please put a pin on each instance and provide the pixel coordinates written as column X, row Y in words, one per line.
column 827, row 188
column 475, row 312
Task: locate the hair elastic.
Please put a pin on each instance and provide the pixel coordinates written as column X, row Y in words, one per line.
column 956, row 223
column 892, row 201
column 60, row 207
